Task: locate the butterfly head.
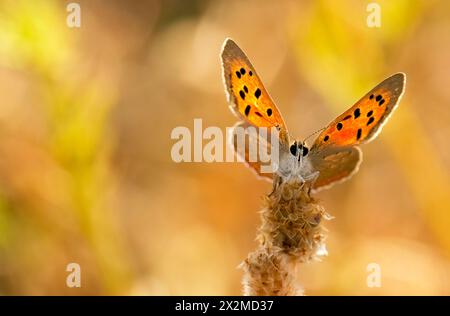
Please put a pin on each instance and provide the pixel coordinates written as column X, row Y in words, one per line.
column 299, row 150
column 294, row 161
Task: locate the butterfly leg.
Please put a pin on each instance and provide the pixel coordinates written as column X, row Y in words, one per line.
column 277, row 180
column 311, row 179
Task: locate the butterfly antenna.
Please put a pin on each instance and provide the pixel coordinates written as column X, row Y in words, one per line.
column 314, row 133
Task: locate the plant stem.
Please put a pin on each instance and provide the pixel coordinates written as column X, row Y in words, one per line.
column 291, row 232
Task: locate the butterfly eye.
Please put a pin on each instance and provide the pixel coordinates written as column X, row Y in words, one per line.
column 305, row 151
column 293, row 149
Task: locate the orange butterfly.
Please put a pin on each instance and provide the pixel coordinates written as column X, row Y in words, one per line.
column 334, row 156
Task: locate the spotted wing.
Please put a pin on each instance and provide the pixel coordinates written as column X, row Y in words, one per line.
column 246, row 94
column 334, row 153
column 362, row 122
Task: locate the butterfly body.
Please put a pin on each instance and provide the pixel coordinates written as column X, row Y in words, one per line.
column 334, row 155
column 294, row 162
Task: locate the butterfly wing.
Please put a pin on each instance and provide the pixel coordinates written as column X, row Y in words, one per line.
column 362, row 122
column 246, row 94
column 334, row 153
column 251, row 137
column 335, row 165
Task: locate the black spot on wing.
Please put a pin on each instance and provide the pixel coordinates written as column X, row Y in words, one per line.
column 357, row 113
column 242, row 71
column 247, row 110
column 369, row 114
column 326, row 138
column 238, row 74
column 269, row 112
column 339, row 126
column 257, row 93
column 242, row 94
column 245, row 89
column 358, row 135
column 370, row 121
column 378, row 98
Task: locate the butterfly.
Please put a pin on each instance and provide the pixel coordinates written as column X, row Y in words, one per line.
column 334, row 156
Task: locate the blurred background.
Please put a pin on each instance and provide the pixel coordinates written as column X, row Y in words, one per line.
column 86, row 114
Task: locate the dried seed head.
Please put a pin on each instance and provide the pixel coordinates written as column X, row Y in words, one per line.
column 291, row 232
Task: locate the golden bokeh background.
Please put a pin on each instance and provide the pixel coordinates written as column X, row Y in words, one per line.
column 86, row 115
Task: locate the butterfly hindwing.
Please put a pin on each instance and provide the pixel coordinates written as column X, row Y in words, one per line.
column 335, row 154
column 250, row 137
column 335, row 165
column 246, row 93
column 362, row 122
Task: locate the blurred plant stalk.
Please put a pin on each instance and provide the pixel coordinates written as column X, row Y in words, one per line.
column 36, row 44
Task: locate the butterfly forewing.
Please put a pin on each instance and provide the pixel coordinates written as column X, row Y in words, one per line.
column 335, row 154
column 247, row 96
column 364, row 120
